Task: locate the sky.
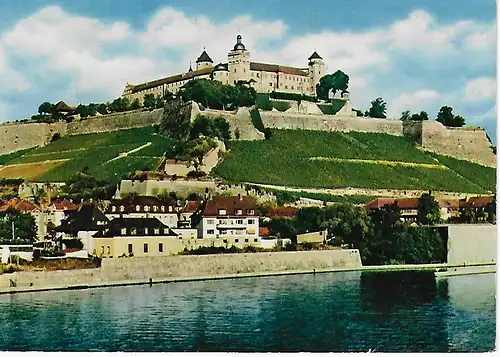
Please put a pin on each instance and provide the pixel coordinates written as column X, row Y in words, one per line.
column 416, row 55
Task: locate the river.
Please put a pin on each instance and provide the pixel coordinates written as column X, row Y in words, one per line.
column 352, row 311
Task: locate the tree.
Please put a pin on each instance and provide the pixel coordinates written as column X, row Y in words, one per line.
column 102, row 108
column 149, row 101
column 428, row 210
column 82, row 110
column 46, row 108
column 446, row 117
column 135, row 104
column 23, row 224
column 378, row 109
column 420, row 116
column 338, row 81
column 405, row 115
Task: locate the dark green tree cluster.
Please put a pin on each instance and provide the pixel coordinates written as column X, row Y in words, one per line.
column 447, row 118
column 24, row 227
column 156, row 102
column 406, row 115
column 210, row 127
column 378, row 109
column 338, row 81
column 477, row 215
column 215, row 95
column 91, row 109
column 82, row 186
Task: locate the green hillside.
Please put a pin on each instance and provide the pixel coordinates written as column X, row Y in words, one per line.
column 334, row 160
column 92, row 151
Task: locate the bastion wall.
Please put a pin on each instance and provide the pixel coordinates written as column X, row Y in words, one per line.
column 463, row 143
column 123, row 269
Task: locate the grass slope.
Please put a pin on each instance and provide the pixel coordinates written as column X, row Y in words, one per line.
column 285, row 160
column 95, row 150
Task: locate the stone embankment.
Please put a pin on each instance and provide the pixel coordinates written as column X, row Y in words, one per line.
column 184, row 267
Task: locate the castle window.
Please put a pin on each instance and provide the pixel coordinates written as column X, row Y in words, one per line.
column 146, row 208
column 270, row 84
column 113, row 209
column 137, row 208
column 286, row 87
column 235, row 70
column 124, row 231
column 258, row 75
column 292, row 87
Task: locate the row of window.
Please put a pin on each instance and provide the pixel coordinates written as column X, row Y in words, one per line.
column 228, row 221
column 146, row 248
column 238, row 212
column 237, row 240
column 133, row 231
column 146, row 208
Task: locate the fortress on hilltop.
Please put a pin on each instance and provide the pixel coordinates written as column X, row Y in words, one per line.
column 263, row 77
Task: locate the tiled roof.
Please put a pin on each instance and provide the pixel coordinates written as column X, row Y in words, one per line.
column 63, row 107
column 276, row 68
column 315, row 56
column 191, row 207
column 230, row 204
column 403, row 203
column 86, row 218
column 171, row 79
column 204, row 57
column 476, row 202
column 129, row 203
column 64, row 205
column 20, row 205
column 143, row 227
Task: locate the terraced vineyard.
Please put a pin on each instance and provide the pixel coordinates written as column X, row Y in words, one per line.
column 68, row 155
column 287, row 159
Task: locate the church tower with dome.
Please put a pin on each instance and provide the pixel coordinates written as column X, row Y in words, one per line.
column 263, row 77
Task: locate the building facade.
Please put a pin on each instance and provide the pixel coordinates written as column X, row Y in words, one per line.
column 263, row 77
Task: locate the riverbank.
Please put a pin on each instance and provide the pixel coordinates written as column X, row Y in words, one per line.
column 149, row 271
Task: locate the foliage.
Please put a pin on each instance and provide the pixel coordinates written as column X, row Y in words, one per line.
column 338, row 81
column 279, row 160
column 262, row 101
column 333, row 108
column 215, row 95
column 84, row 186
column 292, row 96
column 282, row 227
column 120, row 105
column 428, row 210
column 7, row 158
column 281, row 106
column 268, row 133
column 257, row 120
column 24, row 227
column 211, row 127
column 420, row 116
column 447, row 118
column 378, row 108
column 55, row 137
column 11, row 181
column 405, row 115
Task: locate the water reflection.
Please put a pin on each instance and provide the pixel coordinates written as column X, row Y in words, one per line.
column 324, row 312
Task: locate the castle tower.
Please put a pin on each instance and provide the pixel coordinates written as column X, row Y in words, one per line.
column 238, row 62
column 204, row 61
column 316, row 70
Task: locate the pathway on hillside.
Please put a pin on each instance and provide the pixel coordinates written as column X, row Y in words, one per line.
column 125, row 154
column 366, row 191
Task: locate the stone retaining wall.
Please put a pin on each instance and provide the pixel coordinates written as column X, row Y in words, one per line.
column 121, row 269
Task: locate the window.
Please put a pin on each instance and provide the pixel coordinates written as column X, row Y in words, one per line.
column 236, row 240
column 113, row 209
column 258, row 75
column 286, row 87
column 239, row 212
column 157, row 231
column 122, row 208
column 251, row 221
column 224, row 240
column 109, row 250
column 124, row 231
column 170, row 209
column 222, row 212
column 137, row 208
column 160, row 247
column 210, row 231
column 133, row 231
column 270, row 84
column 210, row 221
column 239, row 221
column 292, row 87
column 145, row 247
column 163, row 208
column 146, row 230
column 155, row 208
column 235, row 70
column 255, row 240
column 146, row 208
column 246, row 240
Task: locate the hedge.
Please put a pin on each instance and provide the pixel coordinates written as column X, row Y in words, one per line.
column 257, row 120
column 292, row 96
column 262, row 101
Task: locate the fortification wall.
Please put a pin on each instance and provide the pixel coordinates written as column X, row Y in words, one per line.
column 14, row 136
column 116, row 121
column 239, row 120
column 463, row 143
column 122, row 269
column 294, row 121
column 472, row 243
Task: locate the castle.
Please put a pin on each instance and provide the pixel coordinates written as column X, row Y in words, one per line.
column 263, row 77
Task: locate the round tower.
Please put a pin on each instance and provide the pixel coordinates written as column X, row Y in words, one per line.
column 204, row 61
column 316, row 70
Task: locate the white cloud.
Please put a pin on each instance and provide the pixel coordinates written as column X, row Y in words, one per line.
column 481, row 89
column 9, row 78
column 483, row 38
column 423, row 99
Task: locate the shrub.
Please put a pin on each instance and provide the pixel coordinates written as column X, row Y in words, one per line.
column 292, row 96
column 262, row 101
column 268, row 133
column 257, row 120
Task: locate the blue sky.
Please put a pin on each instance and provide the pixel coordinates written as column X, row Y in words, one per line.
column 416, row 55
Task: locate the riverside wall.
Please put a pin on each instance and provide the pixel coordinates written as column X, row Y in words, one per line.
column 472, row 243
column 123, row 269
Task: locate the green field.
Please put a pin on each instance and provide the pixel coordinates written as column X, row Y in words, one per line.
column 285, row 160
column 93, row 151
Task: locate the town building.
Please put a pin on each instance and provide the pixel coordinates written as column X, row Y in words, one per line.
column 227, row 221
column 138, row 237
column 263, row 77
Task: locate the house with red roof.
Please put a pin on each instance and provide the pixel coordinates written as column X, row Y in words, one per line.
column 228, row 221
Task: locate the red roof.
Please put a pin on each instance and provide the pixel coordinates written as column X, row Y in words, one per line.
column 403, row 203
column 283, row 211
column 191, row 207
column 20, row 205
column 476, row 202
column 230, row 205
column 64, row 205
column 263, row 232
